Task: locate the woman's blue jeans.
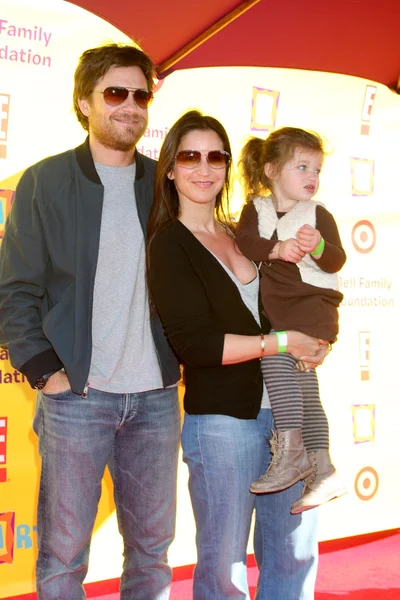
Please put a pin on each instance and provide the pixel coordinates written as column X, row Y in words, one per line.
column 137, row 435
column 224, row 456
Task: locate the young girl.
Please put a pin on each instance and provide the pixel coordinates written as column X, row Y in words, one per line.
column 297, row 243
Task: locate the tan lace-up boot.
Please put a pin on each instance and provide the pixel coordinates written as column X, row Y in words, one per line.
column 290, row 463
column 322, row 485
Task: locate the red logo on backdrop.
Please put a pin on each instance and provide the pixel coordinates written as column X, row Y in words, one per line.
column 366, row 483
column 6, row 200
column 363, row 236
column 369, row 97
column 364, row 340
column 4, row 114
column 3, row 449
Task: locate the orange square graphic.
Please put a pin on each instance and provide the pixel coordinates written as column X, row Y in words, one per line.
column 264, row 107
column 363, row 423
column 4, row 114
column 364, row 351
column 7, row 529
column 362, row 176
column 3, row 151
column 6, row 199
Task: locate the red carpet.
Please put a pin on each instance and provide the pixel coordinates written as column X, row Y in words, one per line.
column 359, row 568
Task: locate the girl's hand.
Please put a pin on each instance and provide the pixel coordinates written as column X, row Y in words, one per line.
column 290, row 251
column 308, row 238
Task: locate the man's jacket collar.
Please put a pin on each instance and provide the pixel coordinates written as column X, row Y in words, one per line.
column 86, row 164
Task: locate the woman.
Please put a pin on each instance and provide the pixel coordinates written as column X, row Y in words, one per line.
column 206, row 293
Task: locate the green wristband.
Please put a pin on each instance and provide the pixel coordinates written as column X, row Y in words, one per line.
column 320, row 248
column 281, row 337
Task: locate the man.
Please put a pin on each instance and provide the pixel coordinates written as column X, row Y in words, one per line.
column 75, row 318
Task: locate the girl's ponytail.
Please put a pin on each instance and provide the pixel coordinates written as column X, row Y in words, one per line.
column 251, row 168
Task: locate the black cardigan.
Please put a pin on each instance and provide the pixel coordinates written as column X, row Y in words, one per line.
column 198, row 304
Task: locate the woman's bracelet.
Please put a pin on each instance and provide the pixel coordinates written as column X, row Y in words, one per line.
column 262, row 344
column 319, row 248
column 281, row 337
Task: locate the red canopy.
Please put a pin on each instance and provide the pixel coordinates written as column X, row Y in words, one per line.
column 353, row 37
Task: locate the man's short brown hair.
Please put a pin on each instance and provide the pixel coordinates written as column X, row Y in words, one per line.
column 94, row 64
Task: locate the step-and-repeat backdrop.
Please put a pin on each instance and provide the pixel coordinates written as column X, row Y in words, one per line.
column 40, row 44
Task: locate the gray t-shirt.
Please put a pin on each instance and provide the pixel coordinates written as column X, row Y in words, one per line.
column 124, row 358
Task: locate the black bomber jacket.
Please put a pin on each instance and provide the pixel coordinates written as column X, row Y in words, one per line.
column 48, row 262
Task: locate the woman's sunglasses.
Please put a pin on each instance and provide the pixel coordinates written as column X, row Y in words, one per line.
column 189, row 159
column 114, row 96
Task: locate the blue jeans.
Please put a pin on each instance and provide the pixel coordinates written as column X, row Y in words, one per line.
column 285, row 545
column 137, row 436
column 224, row 456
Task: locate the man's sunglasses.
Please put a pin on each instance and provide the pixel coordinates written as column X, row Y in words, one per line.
column 189, row 159
column 114, row 96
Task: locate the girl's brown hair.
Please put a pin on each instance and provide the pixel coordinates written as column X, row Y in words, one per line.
column 277, row 149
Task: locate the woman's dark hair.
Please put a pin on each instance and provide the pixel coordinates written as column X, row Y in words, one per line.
column 277, row 149
column 165, row 210
column 94, row 64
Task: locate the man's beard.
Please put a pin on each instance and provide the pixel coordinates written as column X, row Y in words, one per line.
column 122, row 139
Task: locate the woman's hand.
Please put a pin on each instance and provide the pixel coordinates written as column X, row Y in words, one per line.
column 307, row 349
column 311, row 362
